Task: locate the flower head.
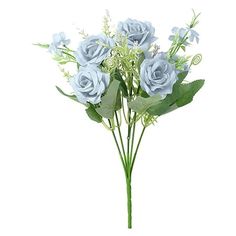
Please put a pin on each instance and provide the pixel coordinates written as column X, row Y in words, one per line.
column 89, row 84
column 58, row 40
column 158, row 75
column 193, row 35
column 138, row 33
column 94, row 49
column 182, row 32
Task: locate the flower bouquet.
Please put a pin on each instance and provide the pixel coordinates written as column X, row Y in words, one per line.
column 122, row 76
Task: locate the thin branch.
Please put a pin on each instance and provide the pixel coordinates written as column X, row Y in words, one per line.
column 120, row 135
column 133, row 134
column 136, row 151
column 117, row 145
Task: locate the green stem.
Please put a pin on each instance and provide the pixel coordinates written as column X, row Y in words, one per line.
column 129, row 159
column 118, row 148
column 129, row 201
column 123, row 109
column 129, row 124
column 136, row 151
column 128, row 137
column 121, row 139
column 133, row 134
column 176, row 49
column 68, row 54
column 134, row 126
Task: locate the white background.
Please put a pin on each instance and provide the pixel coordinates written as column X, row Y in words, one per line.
column 59, row 171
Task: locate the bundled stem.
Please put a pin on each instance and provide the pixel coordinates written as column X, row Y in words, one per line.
column 129, row 201
column 129, row 155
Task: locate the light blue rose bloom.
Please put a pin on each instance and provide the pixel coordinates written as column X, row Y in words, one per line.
column 94, row 49
column 89, row 84
column 193, row 35
column 138, row 32
column 157, row 75
column 58, row 40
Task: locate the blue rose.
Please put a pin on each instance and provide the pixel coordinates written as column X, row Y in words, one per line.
column 58, row 40
column 157, row 75
column 89, row 84
column 94, row 49
column 138, row 32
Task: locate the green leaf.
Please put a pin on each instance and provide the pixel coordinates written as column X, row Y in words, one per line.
column 73, row 97
column 161, row 108
column 142, row 104
column 118, row 101
column 182, row 75
column 140, row 60
column 62, row 60
column 41, row 45
column 182, row 95
column 116, row 75
column 183, row 48
column 92, row 114
column 187, row 92
column 143, row 94
column 110, row 101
